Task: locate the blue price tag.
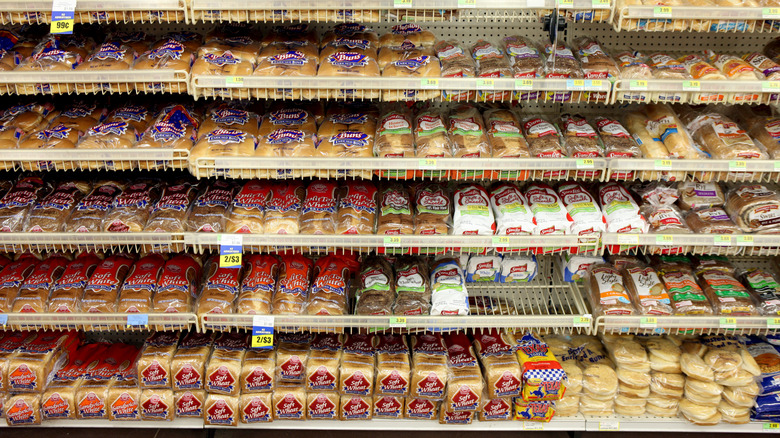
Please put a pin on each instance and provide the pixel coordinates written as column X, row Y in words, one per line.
column 138, row 320
column 3, row 319
column 263, row 332
column 230, row 250
column 62, row 16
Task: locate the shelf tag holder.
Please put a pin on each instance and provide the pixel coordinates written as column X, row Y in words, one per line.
column 524, row 84
column 738, row 166
column 649, row 322
column 63, row 14
column 234, row 81
column 664, row 239
column 533, row 425
column 728, row 323
column 485, row 84
column 662, row 165
column 628, row 239
column 662, row 12
column 637, row 85
column 263, row 332
column 773, row 323
column 583, row 321
column 397, row 322
column 609, row 425
column 774, row 427
column 770, row 13
column 138, row 320
column 402, row 4
column 721, row 240
column 585, row 163
column 392, row 241
column 427, row 163
column 743, row 240
column 230, row 250
column 429, row 83
column 691, row 86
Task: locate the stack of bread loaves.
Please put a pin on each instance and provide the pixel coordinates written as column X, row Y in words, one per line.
column 667, row 381
column 599, row 379
column 633, row 373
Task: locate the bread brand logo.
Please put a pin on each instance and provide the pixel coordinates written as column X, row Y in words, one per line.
column 20, row 413
column 322, row 407
column 291, row 369
column 220, row 413
column 350, row 139
column 226, row 58
column 92, row 406
column 349, row 119
column 485, row 265
column 472, row 197
column 296, row 284
column 258, row 380
column 356, row 408
column 413, row 63
column 497, row 409
column 22, row 378
column 163, row 131
column 348, row 29
column 507, row 385
column 154, row 375
column 406, row 29
column 293, row 30
column 256, row 410
column 226, row 136
column 55, row 407
column 531, row 346
column 460, row 357
column 50, row 54
column 612, row 193
column 170, row 49
column 322, row 379
column 187, row 377
column 58, row 132
column 108, row 51
column 348, row 59
column 155, row 407
column 430, row 386
column 292, row 57
column 130, row 112
column 113, row 128
column 188, row 406
column 388, row 407
column 230, row 116
column 288, row 116
column 358, row 202
column 326, row 343
column 284, row 136
column 539, row 197
column 351, row 43
column 420, row 408
column 356, row 384
column 125, row 406
column 225, row 279
column 394, row 383
column 459, row 417
column 433, row 199
column 289, row 407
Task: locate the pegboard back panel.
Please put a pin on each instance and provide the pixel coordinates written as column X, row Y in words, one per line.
column 670, row 41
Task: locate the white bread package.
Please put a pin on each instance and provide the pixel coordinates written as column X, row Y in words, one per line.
column 472, row 214
column 620, row 210
column 582, row 208
column 429, row 367
column 543, row 376
column 496, row 351
column 550, row 215
column 511, row 210
column 448, row 285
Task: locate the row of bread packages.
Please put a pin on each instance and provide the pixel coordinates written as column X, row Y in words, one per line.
column 697, row 25
column 765, row 350
column 678, row 285
column 706, row 379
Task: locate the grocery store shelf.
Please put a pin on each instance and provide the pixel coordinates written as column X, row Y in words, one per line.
column 724, row 244
column 178, row 423
column 417, row 244
column 94, row 159
column 649, row 423
column 649, row 169
column 100, row 321
column 682, row 91
column 700, row 18
column 512, row 169
column 545, row 302
column 94, row 82
column 395, row 89
column 680, row 324
column 96, row 11
column 157, row 242
column 556, row 424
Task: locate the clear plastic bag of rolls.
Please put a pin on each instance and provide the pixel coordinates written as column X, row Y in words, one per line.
column 109, row 56
column 167, row 54
column 287, row 59
column 376, row 292
column 209, row 211
column 174, row 128
column 394, row 138
column 348, row 135
column 51, row 212
column 55, row 136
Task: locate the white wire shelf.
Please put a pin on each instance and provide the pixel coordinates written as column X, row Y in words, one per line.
column 396, row 244
column 94, row 159
column 96, row 11
column 723, row 244
column 94, row 82
column 101, row 321
column 698, row 92
column 401, row 89
column 556, row 424
column 154, row 242
column 512, row 169
column 178, row 423
column 546, row 302
column 649, row 169
column 696, row 18
column 649, row 423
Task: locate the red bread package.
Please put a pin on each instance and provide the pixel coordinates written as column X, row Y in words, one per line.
column 102, row 289
column 141, row 285
column 257, row 286
column 11, row 279
column 169, row 212
column 292, row 290
column 319, row 208
column 357, row 208
column 17, row 203
column 330, row 288
column 248, row 212
column 220, row 288
column 35, row 290
column 178, row 285
column 67, row 292
column 209, row 212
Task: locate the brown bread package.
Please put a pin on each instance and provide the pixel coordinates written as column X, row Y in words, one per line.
column 429, row 367
column 256, row 408
column 257, row 372
column 357, row 366
column 393, row 368
column 224, row 368
column 221, row 410
column 188, row 365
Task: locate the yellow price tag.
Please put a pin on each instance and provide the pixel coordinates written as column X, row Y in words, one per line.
column 228, row 260
column 392, row 240
column 234, row 81
column 398, row 321
column 429, row 83
column 263, row 341
column 62, row 26
column 524, row 84
column 768, row 86
column 582, row 321
column 663, row 165
column 595, row 83
column 648, row 322
column 743, row 240
column 728, row 323
column 722, row 240
column 427, row 163
column 691, row 86
column 662, row 11
column 585, row 163
column 637, row 85
column 578, row 82
column 485, row 84
column 737, row 165
column 771, row 13
column 664, row 239
column 500, row 240
column 773, row 323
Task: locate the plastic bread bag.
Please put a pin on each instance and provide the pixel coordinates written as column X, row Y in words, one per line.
column 34, row 291
column 544, row 140
column 763, row 130
column 331, row 286
column 17, row 203
column 140, row 285
column 376, row 291
column 582, row 208
column 431, row 137
column 651, row 146
column 432, row 209
column 413, row 288
column 137, row 116
column 208, row 212
column 169, row 213
column 700, row 69
column 753, row 207
column 229, row 117
column 595, row 64
column 617, row 141
column 633, row 66
column 223, row 143
column 608, row 295
column 174, row 128
column 357, row 208
column 467, row 132
column 505, row 134
column 296, row 117
column 357, row 366
column 472, row 213
column 294, row 32
column 491, row 63
column 257, row 284
column 561, row 62
column 109, row 135
column 697, row 196
column 720, row 137
column 170, row 54
column 407, row 32
column 511, row 210
column 411, row 64
column 109, row 56
column 768, row 68
column 55, row 136
column 666, row 219
column 94, row 208
column 49, row 55
column 178, row 285
column 550, row 215
column 580, row 139
column 728, row 296
column 242, row 47
column 449, row 295
column 664, row 124
column 429, row 366
column 646, row 290
column 456, row 62
column 543, row 377
column 575, row 268
column 248, row 208
column 620, row 210
column 51, row 212
column 764, row 288
column 291, row 143
column 394, row 136
column 66, row 294
column 219, row 288
column 283, row 210
column 130, row 210
column 319, row 208
column 350, row 30
column 395, row 210
column 733, row 67
column 524, row 57
column 713, row 220
column 666, row 67
column 292, row 289
column 348, row 135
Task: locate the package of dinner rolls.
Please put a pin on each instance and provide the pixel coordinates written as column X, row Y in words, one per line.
column 456, row 62
column 174, row 128
column 543, row 376
column 394, row 138
column 396, row 213
column 491, row 62
column 505, row 134
column 431, row 138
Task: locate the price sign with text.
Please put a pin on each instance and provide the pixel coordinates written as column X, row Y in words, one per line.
column 230, row 250
column 62, row 16
column 263, row 332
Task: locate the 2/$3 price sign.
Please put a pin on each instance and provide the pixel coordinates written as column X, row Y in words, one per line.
column 62, row 16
